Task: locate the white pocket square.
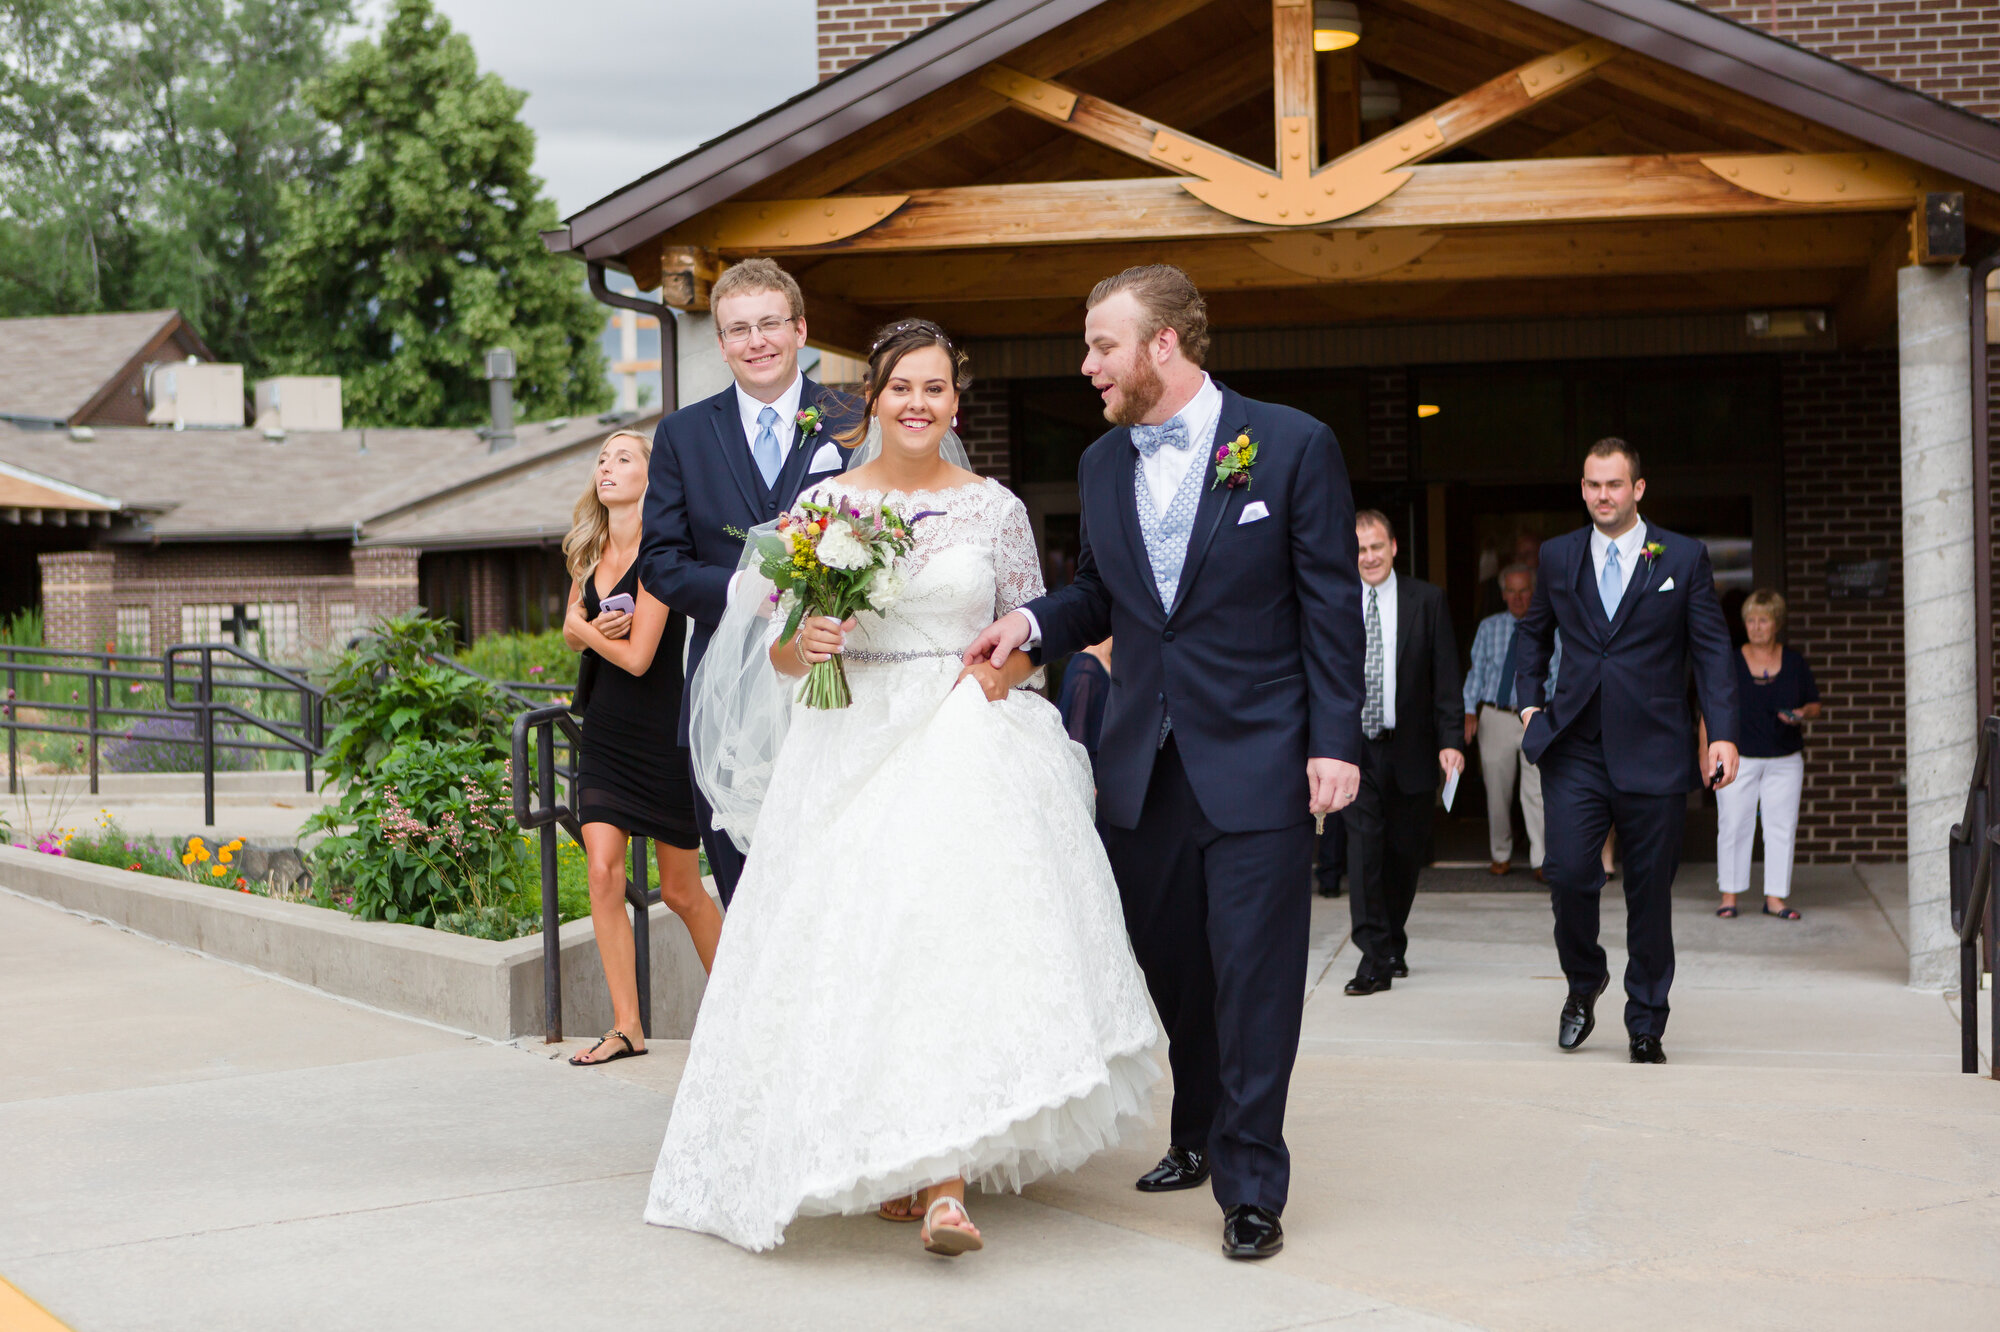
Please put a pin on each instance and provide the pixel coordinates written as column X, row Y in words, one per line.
column 1667, row 586
column 825, row 459
column 1252, row 512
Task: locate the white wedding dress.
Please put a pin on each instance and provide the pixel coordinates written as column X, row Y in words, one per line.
column 925, row 972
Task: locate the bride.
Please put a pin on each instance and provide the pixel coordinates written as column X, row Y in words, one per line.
column 924, row 979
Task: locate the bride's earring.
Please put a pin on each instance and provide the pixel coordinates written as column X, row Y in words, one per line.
column 954, row 420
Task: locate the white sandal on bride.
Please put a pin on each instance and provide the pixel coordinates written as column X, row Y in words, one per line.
column 952, row 1235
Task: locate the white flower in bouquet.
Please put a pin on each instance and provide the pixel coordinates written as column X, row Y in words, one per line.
column 838, row 549
column 886, row 587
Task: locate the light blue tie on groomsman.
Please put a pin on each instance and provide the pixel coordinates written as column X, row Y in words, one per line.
column 1611, row 583
column 770, row 458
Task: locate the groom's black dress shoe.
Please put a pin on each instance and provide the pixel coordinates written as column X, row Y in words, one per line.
column 1399, row 969
column 1579, row 1017
column 1180, row 1168
column 1367, row 984
column 1646, row 1050
column 1250, row 1231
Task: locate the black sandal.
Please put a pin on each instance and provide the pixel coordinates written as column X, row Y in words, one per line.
column 627, row 1053
column 1786, row 914
column 1727, row 913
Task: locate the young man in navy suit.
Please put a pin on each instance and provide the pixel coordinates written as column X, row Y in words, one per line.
column 1217, row 545
column 1616, row 745
column 735, row 460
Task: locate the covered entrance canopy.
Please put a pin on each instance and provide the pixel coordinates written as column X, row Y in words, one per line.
column 1512, row 159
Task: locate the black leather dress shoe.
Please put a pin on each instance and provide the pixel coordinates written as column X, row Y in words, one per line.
column 1329, row 888
column 1249, row 1231
column 1367, row 984
column 1646, row 1050
column 1579, row 1017
column 1399, row 969
column 1180, row 1168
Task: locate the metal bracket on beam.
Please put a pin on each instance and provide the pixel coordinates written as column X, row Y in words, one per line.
column 1829, row 178
column 1038, row 95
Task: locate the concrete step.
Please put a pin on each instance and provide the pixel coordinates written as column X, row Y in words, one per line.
column 153, row 787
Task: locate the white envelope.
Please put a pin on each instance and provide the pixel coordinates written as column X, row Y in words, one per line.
column 1252, row 511
column 826, row 459
column 1667, row 586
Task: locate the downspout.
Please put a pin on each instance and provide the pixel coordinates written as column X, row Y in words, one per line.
column 670, row 342
column 1982, row 488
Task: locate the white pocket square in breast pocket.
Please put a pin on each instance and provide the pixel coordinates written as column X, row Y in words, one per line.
column 1252, row 512
column 827, row 459
column 1667, row 586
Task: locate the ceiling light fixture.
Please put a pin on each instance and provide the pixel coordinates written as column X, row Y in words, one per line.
column 1336, row 25
column 1428, row 409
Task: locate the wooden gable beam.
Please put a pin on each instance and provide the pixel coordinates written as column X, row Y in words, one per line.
column 1298, row 194
column 1449, row 194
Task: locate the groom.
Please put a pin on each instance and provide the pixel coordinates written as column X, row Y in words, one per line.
column 1217, row 547
column 735, row 460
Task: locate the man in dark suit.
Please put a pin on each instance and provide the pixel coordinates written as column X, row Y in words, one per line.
column 1616, row 744
column 1217, row 543
column 732, row 461
column 1410, row 720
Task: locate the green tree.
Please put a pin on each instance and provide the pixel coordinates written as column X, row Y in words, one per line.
column 142, row 147
column 421, row 250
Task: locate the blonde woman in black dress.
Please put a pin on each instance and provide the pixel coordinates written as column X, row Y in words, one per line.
column 632, row 774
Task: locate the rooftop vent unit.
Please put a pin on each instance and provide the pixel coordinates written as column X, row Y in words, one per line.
column 195, row 395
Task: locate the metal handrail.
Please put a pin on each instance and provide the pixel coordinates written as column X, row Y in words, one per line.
column 543, row 817
column 310, row 742
column 108, row 720
column 1973, row 904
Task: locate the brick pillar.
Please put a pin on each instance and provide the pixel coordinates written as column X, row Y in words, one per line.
column 385, row 581
column 77, row 607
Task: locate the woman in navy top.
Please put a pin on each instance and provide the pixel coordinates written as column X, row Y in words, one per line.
column 1086, row 685
column 1776, row 696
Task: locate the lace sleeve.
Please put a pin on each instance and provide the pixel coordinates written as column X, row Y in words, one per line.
column 1017, row 564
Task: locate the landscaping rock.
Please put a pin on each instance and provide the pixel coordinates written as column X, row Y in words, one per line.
column 281, row 865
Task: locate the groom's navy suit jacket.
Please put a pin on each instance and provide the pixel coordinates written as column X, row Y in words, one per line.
column 1259, row 659
column 1635, row 663
column 702, row 482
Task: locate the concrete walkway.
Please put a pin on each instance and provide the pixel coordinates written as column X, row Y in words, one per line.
column 184, row 1144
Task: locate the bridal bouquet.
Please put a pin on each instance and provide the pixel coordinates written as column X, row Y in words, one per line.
column 834, row 559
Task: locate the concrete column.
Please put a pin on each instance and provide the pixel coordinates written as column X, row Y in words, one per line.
column 1940, row 701
column 77, row 607
column 703, row 372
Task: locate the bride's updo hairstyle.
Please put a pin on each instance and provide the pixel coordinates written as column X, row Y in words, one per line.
column 892, row 343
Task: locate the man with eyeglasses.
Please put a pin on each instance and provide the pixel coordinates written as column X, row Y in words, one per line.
column 736, row 460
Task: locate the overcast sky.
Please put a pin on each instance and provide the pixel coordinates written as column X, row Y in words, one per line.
column 618, row 87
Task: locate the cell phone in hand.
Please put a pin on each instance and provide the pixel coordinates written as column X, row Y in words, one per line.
column 616, row 603
column 1715, row 778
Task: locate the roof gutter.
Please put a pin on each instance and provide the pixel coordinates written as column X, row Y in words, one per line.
column 670, row 332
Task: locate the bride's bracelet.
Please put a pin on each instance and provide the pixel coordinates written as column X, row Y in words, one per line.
column 799, row 650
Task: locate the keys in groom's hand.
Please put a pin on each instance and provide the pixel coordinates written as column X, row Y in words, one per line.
column 1319, row 825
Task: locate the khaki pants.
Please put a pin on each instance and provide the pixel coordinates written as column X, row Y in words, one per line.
column 1501, row 761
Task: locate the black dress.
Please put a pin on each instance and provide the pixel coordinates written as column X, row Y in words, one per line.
column 632, row 773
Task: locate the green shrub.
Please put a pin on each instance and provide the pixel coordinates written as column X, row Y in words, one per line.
column 521, row 657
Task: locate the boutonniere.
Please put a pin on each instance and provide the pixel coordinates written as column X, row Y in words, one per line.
column 811, row 421
column 1652, row 552
column 1232, row 462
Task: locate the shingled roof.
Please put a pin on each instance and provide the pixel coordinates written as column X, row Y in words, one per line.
column 57, row 369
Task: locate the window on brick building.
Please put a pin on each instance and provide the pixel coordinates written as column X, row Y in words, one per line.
column 341, row 620
column 135, row 629
column 268, row 629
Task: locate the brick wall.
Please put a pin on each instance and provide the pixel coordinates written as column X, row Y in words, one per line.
column 1843, row 490
column 1388, row 424
column 853, row 30
column 983, row 424
column 1947, row 48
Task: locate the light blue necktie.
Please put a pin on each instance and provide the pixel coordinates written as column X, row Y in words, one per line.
column 1610, row 587
column 770, row 458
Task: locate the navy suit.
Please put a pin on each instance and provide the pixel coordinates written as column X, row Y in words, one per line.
column 1258, row 663
column 702, row 482
column 1616, row 745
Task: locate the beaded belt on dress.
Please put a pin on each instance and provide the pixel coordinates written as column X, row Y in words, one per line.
column 855, row 654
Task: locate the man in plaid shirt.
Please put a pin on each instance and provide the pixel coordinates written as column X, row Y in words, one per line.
column 1490, row 716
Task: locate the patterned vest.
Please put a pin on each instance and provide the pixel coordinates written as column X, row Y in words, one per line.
column 1166, row 534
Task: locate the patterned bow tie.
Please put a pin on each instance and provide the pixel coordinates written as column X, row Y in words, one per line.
column 1149, row 440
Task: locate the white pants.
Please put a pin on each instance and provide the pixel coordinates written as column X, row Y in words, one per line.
column 1773, row 783
column 1501, row 761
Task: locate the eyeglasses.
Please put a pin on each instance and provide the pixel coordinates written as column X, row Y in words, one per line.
column 770, row 328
